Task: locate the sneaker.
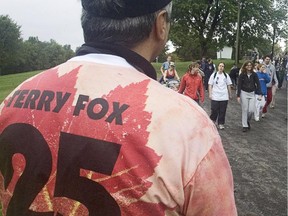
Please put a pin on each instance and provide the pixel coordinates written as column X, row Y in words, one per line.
column 257, row 119
column 221, row 127
column 245, row 129
column 263, row 115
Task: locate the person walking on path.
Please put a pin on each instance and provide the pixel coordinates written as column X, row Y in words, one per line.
column 248, row 83
column 219, row 93
column 93, row 135
column 234, row 73
column 203, row 64
column 210, row 68
column 191, row 84
column 271, row 86
column 263, row 79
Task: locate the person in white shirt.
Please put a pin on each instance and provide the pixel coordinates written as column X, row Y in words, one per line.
column 219, row 93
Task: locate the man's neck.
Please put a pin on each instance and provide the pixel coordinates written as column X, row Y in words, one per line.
column 148, row 49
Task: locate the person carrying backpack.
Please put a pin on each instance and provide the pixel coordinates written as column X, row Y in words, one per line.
column 219, row 93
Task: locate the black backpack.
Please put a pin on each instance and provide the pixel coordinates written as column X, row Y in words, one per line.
column 225, row 74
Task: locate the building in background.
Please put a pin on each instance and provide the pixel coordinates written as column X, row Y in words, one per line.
column 225, row 53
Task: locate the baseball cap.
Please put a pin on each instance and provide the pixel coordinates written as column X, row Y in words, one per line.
column 172, row 64
column 129, row 8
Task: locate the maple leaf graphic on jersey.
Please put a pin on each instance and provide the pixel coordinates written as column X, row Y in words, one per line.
column 74, row 129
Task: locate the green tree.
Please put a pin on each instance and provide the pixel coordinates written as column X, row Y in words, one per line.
column 202, row 25
column 279, row 23
column 259, row 19
column 199, row 28
column 38, row 55
column 10, row 41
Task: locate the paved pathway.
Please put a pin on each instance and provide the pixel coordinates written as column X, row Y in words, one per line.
column 258, row 158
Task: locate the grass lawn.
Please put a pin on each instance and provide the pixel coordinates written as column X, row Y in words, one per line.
column 10, row 82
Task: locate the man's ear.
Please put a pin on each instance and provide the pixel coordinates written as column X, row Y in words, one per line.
column 162, row 27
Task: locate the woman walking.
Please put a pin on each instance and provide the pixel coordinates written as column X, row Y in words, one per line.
column 191, row 84
column 219, row 93
column 248, row 83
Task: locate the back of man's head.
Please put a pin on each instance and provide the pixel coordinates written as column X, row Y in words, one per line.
column 122, row 22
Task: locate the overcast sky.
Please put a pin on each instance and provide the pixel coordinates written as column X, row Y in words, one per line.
column 47, row 19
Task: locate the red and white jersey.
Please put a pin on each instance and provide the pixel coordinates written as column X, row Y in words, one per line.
column 94, row 136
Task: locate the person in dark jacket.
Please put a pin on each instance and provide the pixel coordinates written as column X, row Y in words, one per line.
column 210, row 68
column 234, row 73
column 248, row 83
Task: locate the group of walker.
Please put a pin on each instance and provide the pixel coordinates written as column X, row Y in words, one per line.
column 255, row 87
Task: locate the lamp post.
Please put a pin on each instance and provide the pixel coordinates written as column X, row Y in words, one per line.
column 273, row 40
column 238, row 33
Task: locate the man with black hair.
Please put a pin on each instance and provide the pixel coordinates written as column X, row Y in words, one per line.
column 98, row 135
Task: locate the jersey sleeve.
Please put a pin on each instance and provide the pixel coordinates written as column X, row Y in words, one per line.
column 210, row 191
